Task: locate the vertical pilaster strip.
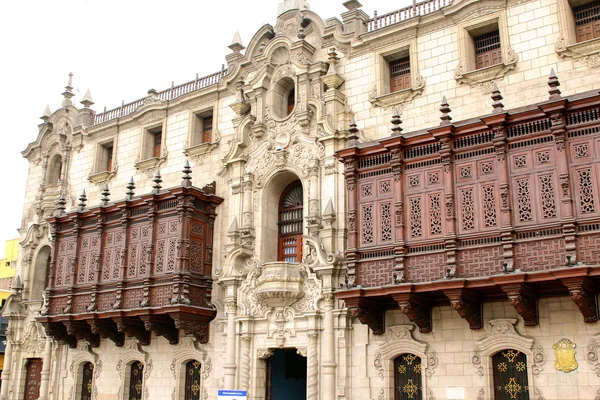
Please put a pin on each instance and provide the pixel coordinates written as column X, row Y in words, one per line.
column 312, row 382
column 245, row 363
column 45, row 375
column 230, row 366
column 328, row 345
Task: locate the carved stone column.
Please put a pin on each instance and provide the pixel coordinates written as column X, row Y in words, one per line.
column 45, row 375
column 245, row 363
column 328, row 359
column 247, row 206
column 313, row 221
column 230, row 366
column 312, row 381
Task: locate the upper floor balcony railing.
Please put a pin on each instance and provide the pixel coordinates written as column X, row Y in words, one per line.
column 134, row 266
column 403, row 14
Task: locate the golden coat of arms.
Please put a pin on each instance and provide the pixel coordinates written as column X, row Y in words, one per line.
column 564, row 350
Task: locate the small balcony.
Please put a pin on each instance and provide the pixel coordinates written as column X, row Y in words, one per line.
column 132, row 267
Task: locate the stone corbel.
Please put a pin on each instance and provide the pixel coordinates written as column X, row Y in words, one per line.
column 150, row 165
column 107, row 330
column 416, row 308
column 161, row 327
column 199, row 152
column 468, row 305
column 82, row 331
column 133, row 329
column 369, row 313
column 488, row 74
column 100, row 178
column 315, row 255
column 588, row 51
column 399, row 98
column 583, row 293
column 199, row 329
column 524, row 299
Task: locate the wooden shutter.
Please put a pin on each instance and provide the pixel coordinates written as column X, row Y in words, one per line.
column 510, row 375
column 407, row 377
column 400, row 74
column 109, row 158
column 136, row 381
column 192, row 380
column 207, row 127
column 290, row 223
column 87, row 381
column 156, row 148
column 587, row 21
column 487, row 50
column 33, row 379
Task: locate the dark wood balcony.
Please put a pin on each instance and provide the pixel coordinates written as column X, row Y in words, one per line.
column 133, row 267
column 501, row 207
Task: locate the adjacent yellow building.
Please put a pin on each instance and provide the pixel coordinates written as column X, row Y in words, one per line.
column 7, row 274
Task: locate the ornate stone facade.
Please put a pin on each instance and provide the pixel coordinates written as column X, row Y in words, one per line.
column 444, row 241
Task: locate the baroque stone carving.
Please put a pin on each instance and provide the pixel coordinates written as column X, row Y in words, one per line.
column 592, row 355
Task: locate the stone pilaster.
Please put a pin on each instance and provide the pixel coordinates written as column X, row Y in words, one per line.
column 45, row 375
column 312, row 382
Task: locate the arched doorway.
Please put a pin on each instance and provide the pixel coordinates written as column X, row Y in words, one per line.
column 286, row 376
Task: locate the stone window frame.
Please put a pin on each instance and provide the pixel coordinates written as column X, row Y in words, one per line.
column 84, row 355
column 465, row 72
column 189, row 352
column 144, row 162
column 133, row 354
column 99, row 174
column 381, row 96
column 503, row 336
column 567, row 45
column 400, row 341
column 198, row 151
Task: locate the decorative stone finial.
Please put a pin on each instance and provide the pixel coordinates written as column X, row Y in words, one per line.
column 497, row 97
column 130, row 186
column 82, row 201
column 68, row 93
column 234, row 226
column 240, row 106
column 332, row 79
column 445, row 110
column 553, row 82
column 47, row 114
column 186, row 178
column 61, row 205
column 87, row 99
column 157, row 182
column 236, row 44
column 17, row 285
column 352, row 4
column 396, row 122
column 353, row 134
column 105, row 196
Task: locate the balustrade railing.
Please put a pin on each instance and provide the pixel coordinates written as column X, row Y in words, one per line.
column 403, row 14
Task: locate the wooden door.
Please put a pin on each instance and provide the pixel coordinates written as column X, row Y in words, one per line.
column 33, row 379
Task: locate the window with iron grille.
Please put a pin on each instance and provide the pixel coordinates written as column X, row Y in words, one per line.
column 399, row 74
column 291, row 207
column 207, row 127
column 487, row 50
column 587, row 21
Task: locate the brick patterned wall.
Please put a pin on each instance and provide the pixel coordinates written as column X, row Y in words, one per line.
column 481, row 261
column 589, row 248
column 540, row 255
column 375, row 273
column 427, row 267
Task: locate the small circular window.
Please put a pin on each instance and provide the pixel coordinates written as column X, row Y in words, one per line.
column 284, row 97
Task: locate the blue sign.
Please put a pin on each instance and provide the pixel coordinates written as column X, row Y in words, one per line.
column 232, row 395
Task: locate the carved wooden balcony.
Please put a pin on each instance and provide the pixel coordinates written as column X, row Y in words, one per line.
column 133, row 267
column 504, row 206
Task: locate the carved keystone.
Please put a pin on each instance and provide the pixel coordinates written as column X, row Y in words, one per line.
column 369, row 313
column 468, row 305
column 416, row 308
column 524, row 300
column 583, row 293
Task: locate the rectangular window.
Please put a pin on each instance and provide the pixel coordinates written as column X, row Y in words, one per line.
column 105, row 155
column 399, row 74
column 207, row 126
column 487, row 49
column 156, row 143
column 109, row 158
column 587, row 21
column 202, row 128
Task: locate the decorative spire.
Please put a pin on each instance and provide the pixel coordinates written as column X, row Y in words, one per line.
column 87, row 99
column 157, row 180
column 187, row 178
column 236, row 44
column 497, row 97
column 130, row 186
column 553, row 82
column 445, row 110
column 17, row 285
column 353, row 134
column 234, row 226
column 82, row 201
column 396, row 122
column 68, row 93
column 61, row 205
column 47, row 114
column 105, row 196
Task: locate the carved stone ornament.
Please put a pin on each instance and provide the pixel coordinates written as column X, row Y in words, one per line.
column 592, row 355
column 564, row 351
column 587, row 52
column 482, row 75
column 399, row 98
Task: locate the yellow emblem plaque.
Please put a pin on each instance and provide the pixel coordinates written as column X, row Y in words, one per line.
column 564, row 350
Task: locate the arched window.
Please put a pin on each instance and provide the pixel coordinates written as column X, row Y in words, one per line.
column 136, row 381
column 290, row 223
column 54, row 170
column 87, row 381
column 510, row 375
column 192, row 380
column 407, row 377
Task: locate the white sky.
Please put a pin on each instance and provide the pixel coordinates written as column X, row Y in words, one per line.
column 117, row 49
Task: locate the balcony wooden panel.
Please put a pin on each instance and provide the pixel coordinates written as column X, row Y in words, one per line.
column 131, row 267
